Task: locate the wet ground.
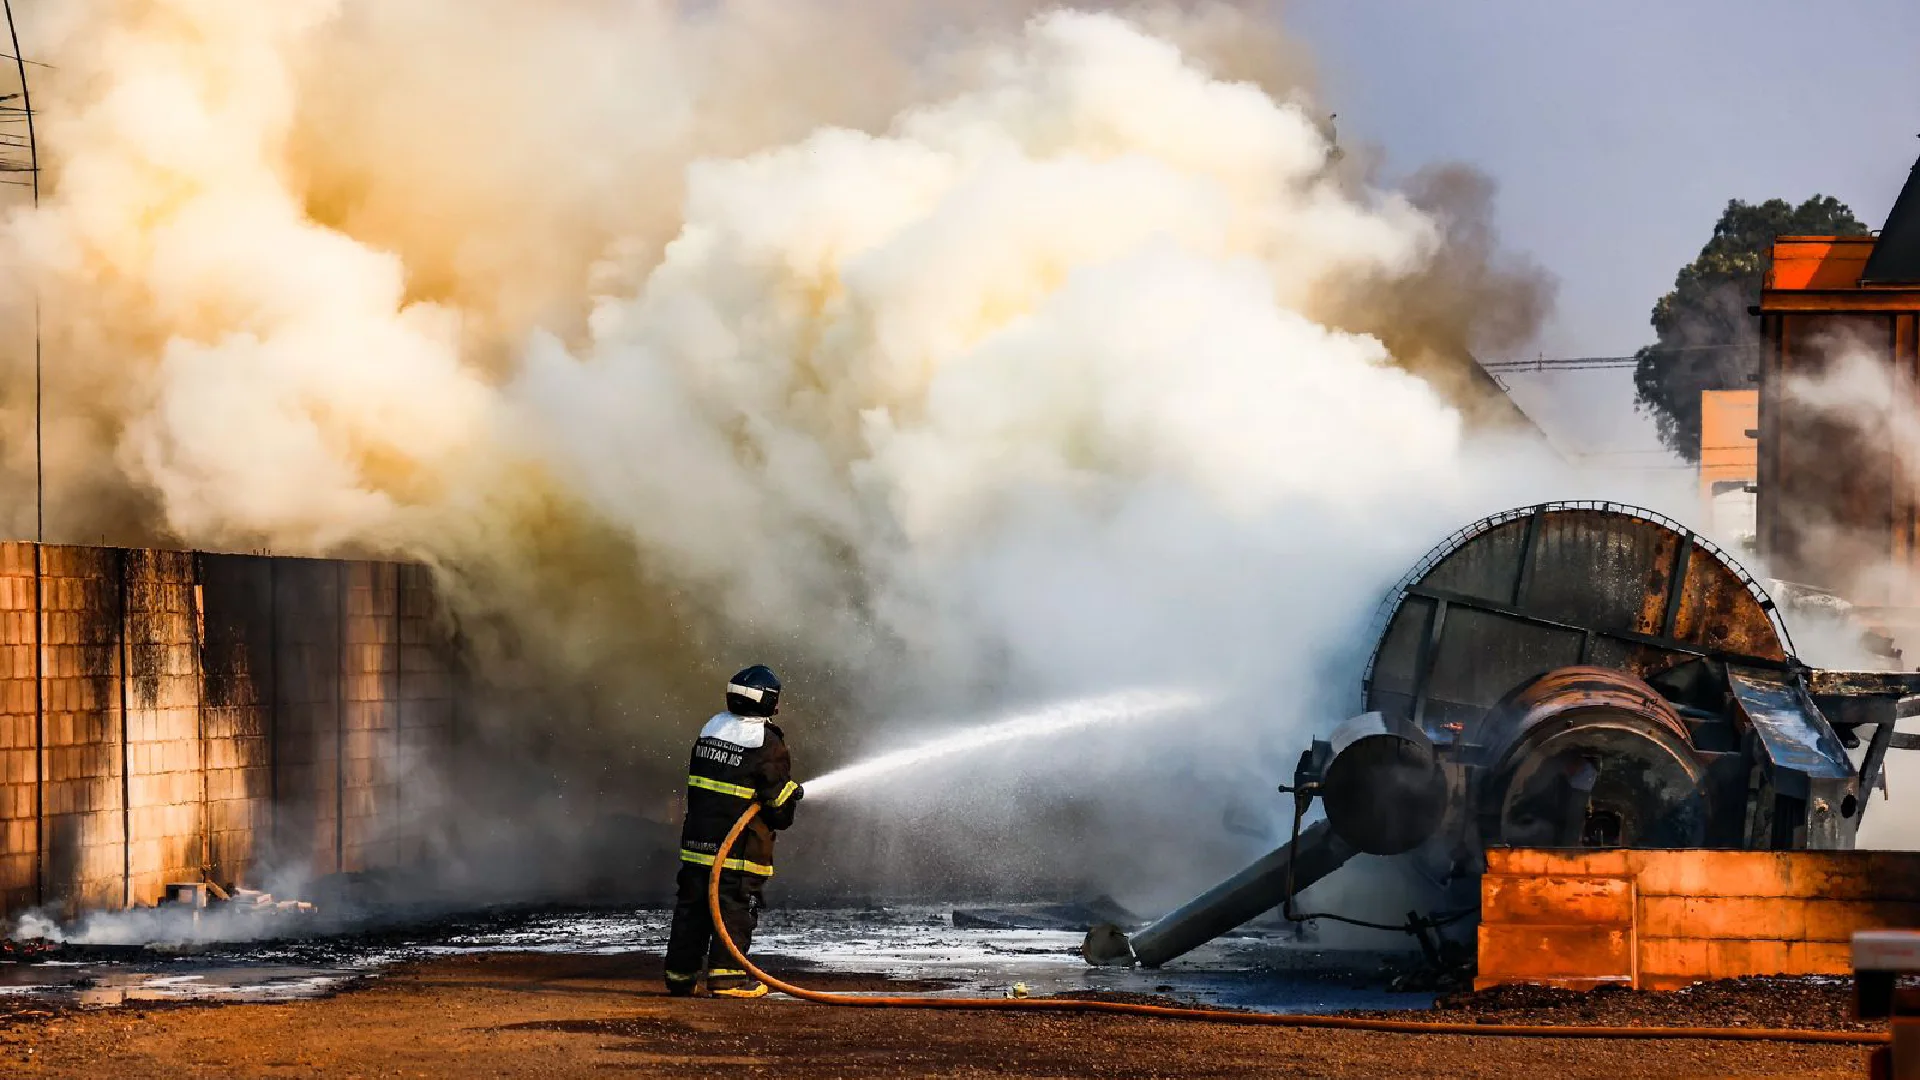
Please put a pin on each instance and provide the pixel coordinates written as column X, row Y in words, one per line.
column 1271, row 972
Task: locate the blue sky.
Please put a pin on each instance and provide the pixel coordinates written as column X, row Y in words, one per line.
column 1617, row 131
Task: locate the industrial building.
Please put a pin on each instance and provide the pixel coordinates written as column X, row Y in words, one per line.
column 1729, row 464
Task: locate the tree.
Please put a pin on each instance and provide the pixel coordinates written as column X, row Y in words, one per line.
column 1706, row 339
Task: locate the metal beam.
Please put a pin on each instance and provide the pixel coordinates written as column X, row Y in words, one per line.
column 1893, row 684
column 1475, row 603
column 1525, row 573
column 1677, row 585
column 1423, row 666
column 1871, row 764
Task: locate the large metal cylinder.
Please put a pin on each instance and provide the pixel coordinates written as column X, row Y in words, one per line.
column 1384, row 790
column 1592, row 757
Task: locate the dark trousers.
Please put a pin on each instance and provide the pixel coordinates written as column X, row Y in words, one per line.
column 693, row 945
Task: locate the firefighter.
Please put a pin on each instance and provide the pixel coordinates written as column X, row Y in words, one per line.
column 740, row 756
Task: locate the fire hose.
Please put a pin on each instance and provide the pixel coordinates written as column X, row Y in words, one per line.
column 1230, row 1016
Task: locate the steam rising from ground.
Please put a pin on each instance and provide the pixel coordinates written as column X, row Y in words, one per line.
column 936, row 367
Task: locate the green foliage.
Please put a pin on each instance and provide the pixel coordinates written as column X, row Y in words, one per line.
column 1706, row 338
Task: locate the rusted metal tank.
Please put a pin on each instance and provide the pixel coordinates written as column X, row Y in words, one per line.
column 1591, row 757
column 1568, row 675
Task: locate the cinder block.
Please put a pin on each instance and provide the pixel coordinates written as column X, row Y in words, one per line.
column 1717, row 873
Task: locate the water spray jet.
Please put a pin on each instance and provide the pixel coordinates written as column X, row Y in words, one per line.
column 1131, row 706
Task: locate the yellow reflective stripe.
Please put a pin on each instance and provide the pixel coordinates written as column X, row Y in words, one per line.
column 675, row 976
column 699, row 859
column 786, row 793
column 720, row 786
column 724, row 972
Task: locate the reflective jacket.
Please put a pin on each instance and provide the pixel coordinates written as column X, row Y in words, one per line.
column 737, row 759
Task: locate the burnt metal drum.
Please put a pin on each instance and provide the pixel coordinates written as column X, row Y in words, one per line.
column 1588, row 757
column 1384, row 790
column 1557, row 585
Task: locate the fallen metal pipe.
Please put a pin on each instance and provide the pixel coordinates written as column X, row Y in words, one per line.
column 1252, row 892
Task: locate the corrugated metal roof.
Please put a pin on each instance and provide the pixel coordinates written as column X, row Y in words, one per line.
column 1896, row 257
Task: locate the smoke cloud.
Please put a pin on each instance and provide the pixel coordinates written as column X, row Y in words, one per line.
column 941, row 356
column 1852, row 404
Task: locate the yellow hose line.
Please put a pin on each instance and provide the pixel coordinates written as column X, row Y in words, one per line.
column 1226, row 1016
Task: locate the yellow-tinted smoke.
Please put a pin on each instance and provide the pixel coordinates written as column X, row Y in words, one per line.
column 939, row 347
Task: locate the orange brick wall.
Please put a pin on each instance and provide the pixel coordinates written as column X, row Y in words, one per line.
column 166, row 804
column 371, row 767
column 193, row 714
column 19, row 725
column 84, row 853
column 1667, row 919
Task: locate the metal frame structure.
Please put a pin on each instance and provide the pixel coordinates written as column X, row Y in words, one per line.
column 1410, row 583
column 1679, row 733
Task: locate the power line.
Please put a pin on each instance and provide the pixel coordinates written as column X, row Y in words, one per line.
column 1523, row 367
column 1594, row 363
column 1663, row 451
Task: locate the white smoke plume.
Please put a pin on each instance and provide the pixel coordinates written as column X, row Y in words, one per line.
column 1857, row 408
column 947, row 354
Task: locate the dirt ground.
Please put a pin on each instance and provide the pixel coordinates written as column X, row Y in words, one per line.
column 534, row 1015
column 1826, row 1004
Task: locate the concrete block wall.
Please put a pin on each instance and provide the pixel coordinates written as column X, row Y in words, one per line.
column 176, row 716
column 166, row 821
column 83, row 854
column 306, row 741
column 19, row 729
column 426, row 692
column 238, row 625
column 371, row 738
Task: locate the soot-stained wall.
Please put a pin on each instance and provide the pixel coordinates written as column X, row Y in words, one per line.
column 179, row 716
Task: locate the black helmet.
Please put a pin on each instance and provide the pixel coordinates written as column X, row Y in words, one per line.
column 754, row 692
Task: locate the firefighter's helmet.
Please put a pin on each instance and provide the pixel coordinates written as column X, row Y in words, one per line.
column 754, row 692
